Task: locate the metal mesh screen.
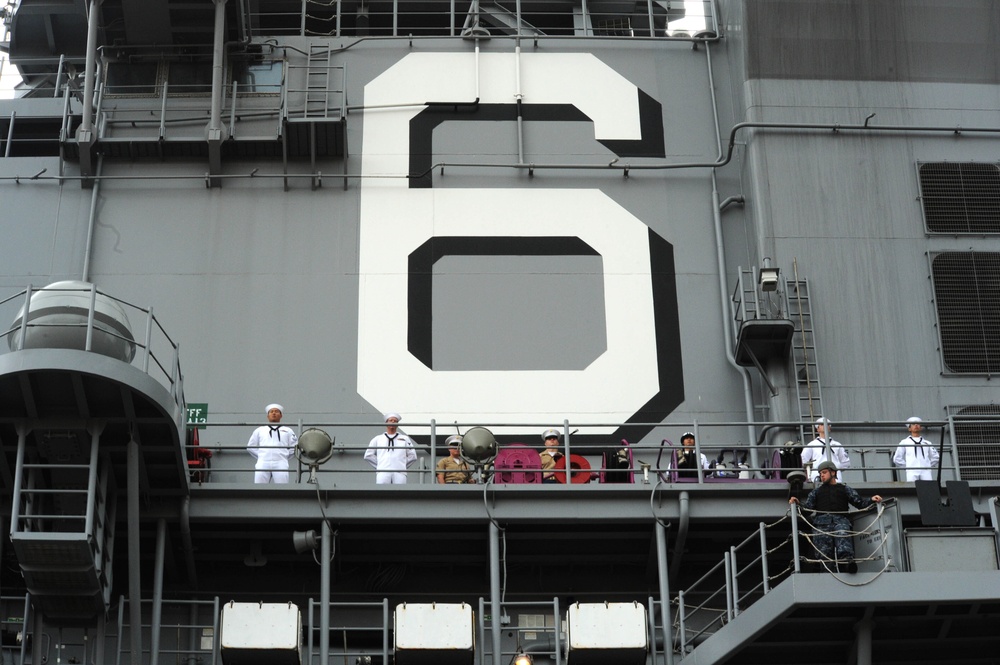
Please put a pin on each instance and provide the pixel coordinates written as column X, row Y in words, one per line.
column 967, row 294
column 978, row 441
column 960, row 198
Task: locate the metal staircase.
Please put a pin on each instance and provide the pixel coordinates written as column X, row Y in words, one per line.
column 804, row 350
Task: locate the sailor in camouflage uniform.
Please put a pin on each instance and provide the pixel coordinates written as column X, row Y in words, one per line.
column 830, row 499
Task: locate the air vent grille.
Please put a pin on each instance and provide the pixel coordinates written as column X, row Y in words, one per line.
column 967, row 294
column 978, row 441
column 960, row 197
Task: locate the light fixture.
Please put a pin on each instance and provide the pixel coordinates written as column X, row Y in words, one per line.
column 522, row 658
column 314, row 447
column 768, row 278
column 305, row 541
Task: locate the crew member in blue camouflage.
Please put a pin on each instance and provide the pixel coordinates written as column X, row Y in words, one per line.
column 832, row 528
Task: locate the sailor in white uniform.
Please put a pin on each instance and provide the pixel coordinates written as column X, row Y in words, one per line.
column 814, row 452
column 272, row 445
column 391, row 453
column 916, row 454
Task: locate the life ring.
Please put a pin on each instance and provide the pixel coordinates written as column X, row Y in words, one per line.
column 579, row 469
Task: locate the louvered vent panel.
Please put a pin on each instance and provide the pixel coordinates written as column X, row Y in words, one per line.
column 978, row 442
column 960, row 198
column 967, row 294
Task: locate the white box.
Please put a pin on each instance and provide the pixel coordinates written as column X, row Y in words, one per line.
column 261, row 634
column 601, row 633
column 439, row 633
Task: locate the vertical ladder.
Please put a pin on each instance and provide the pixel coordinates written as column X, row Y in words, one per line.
column 804, row 351
column 317, row 83
column 317, row 102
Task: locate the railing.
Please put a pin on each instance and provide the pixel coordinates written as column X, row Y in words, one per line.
column 159, row 645
column 651, row 461
column 678, row 19
column 356, row 627
column 158, row 355
column 752, row 568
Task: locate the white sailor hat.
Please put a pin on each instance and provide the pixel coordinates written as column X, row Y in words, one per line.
column 391, row 414
column 823, row 421
column 268, row 408
column 913, row 419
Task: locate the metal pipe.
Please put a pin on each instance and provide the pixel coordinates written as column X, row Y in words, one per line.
column 864, row 641
column 154, row 629
column 192, row 658
column 495, row 608
column 38, row 628
column 661, row 567
column 185, row 524
column 720, row 257
column 92, row 219
column 324, row 595
column 89, row 74
column 215, row 123
column 683, row 521
column 134, row 582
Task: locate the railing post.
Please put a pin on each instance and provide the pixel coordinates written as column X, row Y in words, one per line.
column 24, row 318
column 763, row 558
column 566, row 447
column 59, row 71
column 15, row 521
column 89, row 344
column 148, row 339
column 175, row 365
column 954, row 447
column 163, row 110
column 728, row 559
column 795, row 538
column 95, row 442
column 736, row 581
column 10, row 134
column 385, row 630
column 433, row 451
column 681, row 628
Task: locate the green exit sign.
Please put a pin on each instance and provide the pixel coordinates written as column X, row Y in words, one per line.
column 197, row 414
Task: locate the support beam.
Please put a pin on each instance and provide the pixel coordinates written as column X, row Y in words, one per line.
column 134, row 587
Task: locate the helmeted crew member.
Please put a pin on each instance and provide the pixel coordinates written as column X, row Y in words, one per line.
column 391, row 453
column 916, row 454
column 272, row 445
column 550, row 455
column 687, row 458
column 832, row 528
column 814, row 452
column 453, row 470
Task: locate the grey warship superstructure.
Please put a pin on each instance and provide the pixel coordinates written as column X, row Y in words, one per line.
column 620, row 220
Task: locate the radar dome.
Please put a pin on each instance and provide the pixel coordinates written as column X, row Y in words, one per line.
column 57, row 319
